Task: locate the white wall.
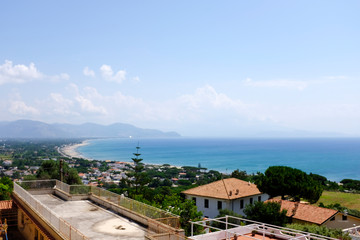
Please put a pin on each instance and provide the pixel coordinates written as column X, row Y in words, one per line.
column 236, row 203
column 233, row 205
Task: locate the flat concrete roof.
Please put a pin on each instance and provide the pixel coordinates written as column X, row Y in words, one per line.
column 93, row 221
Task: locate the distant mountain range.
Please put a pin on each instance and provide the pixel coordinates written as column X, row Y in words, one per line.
column 36, row 129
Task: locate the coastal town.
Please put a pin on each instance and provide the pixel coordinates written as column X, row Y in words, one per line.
column 165, row 186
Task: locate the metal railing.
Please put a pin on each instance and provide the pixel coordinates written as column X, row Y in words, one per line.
column 138, row 207
column 146, row 210
column 354, row 232
column 230, row 226
column 59, row 224
column 125, row 202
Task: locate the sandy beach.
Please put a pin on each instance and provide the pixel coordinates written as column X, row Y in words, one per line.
column 70, row 150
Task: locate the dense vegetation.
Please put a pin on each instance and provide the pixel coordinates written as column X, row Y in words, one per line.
column 268, row 212
column 50, row 169
column 6, row 188
column 320, row 230
column 291, row 182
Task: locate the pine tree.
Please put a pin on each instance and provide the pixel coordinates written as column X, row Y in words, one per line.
column 137, row 177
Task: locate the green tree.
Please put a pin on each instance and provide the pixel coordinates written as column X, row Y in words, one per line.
column 6, row 188
column 190, row 214
column 268, row 212
column 242, row 175
column 49, row 169
column 137, row 177
column 351, row 184
column 320, row 230
column 296, row 184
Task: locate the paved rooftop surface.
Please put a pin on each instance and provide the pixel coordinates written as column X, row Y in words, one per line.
column 93, row 221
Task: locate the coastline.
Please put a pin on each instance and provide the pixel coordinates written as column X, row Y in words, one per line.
column 71, row 152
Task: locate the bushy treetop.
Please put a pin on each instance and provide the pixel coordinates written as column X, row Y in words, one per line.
column 286, row 181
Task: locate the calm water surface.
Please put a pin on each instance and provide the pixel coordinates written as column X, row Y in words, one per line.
column 335, row 159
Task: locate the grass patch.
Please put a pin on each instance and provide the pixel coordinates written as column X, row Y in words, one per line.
column 349, row 200
column 5, row 157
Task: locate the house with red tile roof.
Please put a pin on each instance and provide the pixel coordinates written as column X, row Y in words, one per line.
column 309, row 214
column 231, row 193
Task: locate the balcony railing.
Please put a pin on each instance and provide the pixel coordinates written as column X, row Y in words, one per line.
column 155, row 214
column 63, row 227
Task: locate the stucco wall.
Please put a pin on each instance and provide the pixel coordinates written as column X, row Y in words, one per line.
column 27, row 228
column 233, row 205
column 339, row 223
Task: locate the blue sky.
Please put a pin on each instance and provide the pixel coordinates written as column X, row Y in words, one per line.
column 202, row 68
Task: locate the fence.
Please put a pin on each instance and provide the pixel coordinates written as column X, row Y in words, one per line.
column 354, row 232
column 151, row 212
column 50, row 217
column 139, row 207
column 38, row 184
column 133, row 205
column 227, row 229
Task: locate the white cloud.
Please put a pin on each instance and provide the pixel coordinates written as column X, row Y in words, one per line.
column 208, row 96
column 60, row 104
column 88, row 72
column 136, row 79
column 282, row 83
column 20, row 73
column 88, row 106
column 56, row 78
column 19, row 107
column 108, row 74
column 10, row 73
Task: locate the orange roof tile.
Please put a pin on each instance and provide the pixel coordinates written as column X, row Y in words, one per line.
column 230, row 188
column 305, row 212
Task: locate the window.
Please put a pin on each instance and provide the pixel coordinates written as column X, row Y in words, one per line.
column 241, row 204
column 194, row 199
column 219, row 204
column 206, row 203
column 259, row 198
column 344, row 218
column 251, row 200
column 333, row 218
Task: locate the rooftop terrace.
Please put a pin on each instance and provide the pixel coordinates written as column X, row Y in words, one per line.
column 84, row 212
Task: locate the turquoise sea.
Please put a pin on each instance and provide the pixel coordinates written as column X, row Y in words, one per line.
column 335, row 159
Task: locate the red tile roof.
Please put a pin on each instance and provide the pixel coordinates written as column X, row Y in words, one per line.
column 230, row 188
column 305, row 212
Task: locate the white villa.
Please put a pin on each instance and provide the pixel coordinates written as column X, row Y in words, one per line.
column 231, row 193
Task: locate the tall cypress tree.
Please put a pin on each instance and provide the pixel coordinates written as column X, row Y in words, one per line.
column 138, row 178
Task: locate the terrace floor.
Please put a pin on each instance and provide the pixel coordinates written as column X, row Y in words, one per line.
column 93, row 221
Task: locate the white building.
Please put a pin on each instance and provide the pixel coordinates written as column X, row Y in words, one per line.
column 231, row 193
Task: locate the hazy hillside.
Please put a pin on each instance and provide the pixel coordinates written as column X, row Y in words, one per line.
column 35, row 129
